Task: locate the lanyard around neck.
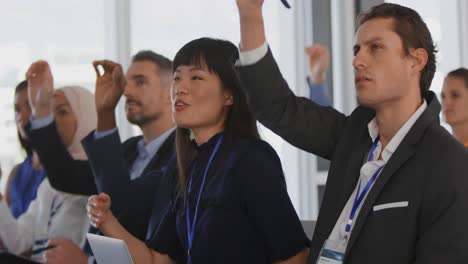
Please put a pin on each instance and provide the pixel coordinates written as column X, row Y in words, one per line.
column 191, row 226
column 359, row 198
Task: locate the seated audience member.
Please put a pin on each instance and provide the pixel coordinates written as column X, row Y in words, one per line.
column 131, row 171
column 232, row 204
column 455, row 103
column 319, row 60
column 25, row 177
column 397, row 180
column 53, row 214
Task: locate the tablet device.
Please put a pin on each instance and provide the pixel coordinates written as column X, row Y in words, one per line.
column 109, row 250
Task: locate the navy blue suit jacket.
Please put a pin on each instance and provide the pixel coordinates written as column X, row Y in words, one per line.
column 132, row 200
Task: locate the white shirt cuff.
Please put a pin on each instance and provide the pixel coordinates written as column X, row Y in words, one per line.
column 251, row 57
column 101, row 134
column 41, row 122
column 90, row 260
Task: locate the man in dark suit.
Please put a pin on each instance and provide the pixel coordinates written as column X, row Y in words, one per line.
column 131, row 172
column 397, row 188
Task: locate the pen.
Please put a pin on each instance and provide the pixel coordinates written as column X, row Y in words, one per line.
column 40, row 250
column 285, row 3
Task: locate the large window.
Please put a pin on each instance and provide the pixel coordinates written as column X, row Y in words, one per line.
column 68, row 34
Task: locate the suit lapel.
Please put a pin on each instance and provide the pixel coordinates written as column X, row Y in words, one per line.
column 162, row 155
column 356, row 159
column 343, row 185
column 404, row 152
column 131, row 153
column 351, row 178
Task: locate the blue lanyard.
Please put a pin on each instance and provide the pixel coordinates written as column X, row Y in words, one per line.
column 191, row 226
column 54, row 208
column 358, row 199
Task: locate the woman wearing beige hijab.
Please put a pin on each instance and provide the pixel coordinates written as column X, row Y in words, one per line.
column 61, row 118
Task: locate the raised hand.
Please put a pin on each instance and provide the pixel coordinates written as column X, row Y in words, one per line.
column 40, row 88
column 99, row 212
column 247, row 5
column 109, row 85
column 319, row 60
column 251, row 24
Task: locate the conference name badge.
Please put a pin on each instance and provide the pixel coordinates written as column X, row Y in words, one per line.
column 332, row 253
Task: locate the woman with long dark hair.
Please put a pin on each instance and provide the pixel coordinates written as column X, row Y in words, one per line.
column 232, row 205
column 25, row 177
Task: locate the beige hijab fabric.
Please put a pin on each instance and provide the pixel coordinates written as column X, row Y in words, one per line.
column 82, row 104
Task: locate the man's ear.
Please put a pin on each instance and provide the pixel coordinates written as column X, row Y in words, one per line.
column 419, row 58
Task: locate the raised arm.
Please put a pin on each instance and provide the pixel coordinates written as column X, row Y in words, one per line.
column 65, row 173
column 103, row 146
column 299, row 121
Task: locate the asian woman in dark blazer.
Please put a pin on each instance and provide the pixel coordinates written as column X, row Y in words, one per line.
column 231, row 203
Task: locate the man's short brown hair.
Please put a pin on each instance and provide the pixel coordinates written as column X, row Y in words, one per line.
column 413, row 33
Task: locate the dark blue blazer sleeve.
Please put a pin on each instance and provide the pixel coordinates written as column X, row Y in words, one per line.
column 110, row 168
column 132, row 200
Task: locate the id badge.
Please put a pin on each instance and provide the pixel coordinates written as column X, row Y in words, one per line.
column 332, row 253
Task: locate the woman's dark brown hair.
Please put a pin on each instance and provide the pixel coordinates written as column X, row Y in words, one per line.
column 461, row 73
column 23, row 86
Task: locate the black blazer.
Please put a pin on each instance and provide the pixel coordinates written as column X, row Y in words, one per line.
column 64, row 173
column 132, row 200
column 428, row 169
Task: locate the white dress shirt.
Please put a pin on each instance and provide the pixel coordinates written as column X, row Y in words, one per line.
column 369, row 168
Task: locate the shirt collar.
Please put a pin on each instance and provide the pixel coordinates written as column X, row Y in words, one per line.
column 397, row 138
column 150, row 149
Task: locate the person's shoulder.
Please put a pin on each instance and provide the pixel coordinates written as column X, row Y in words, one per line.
column 131, row 142
column 254, row 150
column 168, row 145
column 362, row 113
column 15, row 169
column 12, row 175
column 444, row 145
column 446, row 160
column 256, row 162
